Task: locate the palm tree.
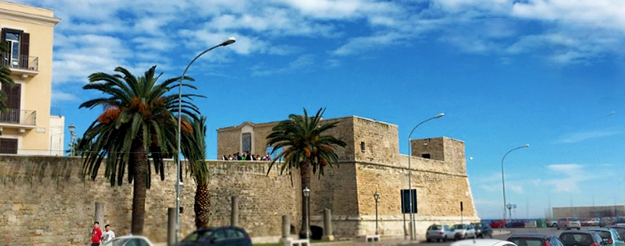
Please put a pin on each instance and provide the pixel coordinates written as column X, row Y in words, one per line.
column 195, row 151
column 305, row 147
column 137, row 124
column 5, row 77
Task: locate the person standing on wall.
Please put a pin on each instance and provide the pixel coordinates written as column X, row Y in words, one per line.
column 96, row 234
column 108, row 234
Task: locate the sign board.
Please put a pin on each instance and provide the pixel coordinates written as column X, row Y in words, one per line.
column 406, row 197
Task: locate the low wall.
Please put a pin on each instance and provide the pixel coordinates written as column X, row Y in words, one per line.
column 45, row 201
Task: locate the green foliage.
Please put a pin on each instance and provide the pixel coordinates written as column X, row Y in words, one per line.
column 302, row 140
column 195, row 150
column 139, row 114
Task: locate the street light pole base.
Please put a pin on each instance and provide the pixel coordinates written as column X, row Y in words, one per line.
column 328, row 238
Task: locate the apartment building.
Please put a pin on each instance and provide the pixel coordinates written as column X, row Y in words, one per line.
column 28, row 128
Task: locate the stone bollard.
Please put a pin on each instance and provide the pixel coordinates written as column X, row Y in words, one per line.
column 99, row 213
column 327, row 225
column 286, row 228
column 171, row 226
column 234, row 214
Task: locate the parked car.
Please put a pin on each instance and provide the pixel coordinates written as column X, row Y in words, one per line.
column 497, row 224
column 619, row 229
column 439, row 233
column 606, row 221
column 217, row 236
column 568, row 223
column 610, row 236
column 463, row 231
column 551, row 222
column 483, row 242
column 590, row 222
column 581, row 238
column 478, row 229
column 534, row 240
column 620, row 221
column 516, row 224
column 487, row 231
column 129, row 241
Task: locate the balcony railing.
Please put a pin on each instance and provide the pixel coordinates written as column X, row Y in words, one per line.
column 23, row 62
column 19, row 117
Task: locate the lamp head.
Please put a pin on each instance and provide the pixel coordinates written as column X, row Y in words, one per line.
column 72, row 128
column 376, row 195
column 306, row 192
column 526, row 146
column 228, row 41
column 440, row 115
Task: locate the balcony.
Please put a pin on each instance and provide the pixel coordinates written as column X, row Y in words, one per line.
column 19, row 118
column 24, row 65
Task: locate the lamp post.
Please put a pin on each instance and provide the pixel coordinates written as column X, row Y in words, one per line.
column 72, row 135
column 503, row 181
column 229, row 41
column 376, row 196
column 412, row 222
column 305, row 231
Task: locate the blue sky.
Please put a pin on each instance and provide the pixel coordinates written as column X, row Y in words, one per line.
column 549, row 73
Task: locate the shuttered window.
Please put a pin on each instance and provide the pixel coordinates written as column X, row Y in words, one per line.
column 8, row 146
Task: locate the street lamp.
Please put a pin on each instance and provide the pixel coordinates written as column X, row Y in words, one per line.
column 412, row 222
column 510, row 206
column 376, row 196
column 503, row 181
column 305, row 231
column 229, row 41
column 72, row 130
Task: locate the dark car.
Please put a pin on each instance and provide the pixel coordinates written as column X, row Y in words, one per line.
column 486, row 231
column 619, row 229
column 534, row 240
column 478, row 229
column 516, row 224
column 217, row 236
column 606, row 221
column 581, row 238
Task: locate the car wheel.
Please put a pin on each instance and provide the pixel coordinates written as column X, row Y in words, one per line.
column 465, row 236
column 578, row 228
column 557, row 228
column 445, row 239
column 428, row 240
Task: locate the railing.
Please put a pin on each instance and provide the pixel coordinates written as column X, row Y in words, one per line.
column 19, row 116
column 23, row 62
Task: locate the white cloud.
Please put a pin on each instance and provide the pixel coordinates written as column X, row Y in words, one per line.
column 586, row 135
column 360, row 44
column 568, row 177
column 59, row 96
column 303, row 63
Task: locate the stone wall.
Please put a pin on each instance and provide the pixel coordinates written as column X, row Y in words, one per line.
column 46, row 202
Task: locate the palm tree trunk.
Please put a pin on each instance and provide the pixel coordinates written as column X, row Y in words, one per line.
column 139, row 160
column 306, row 171
column 202, row 206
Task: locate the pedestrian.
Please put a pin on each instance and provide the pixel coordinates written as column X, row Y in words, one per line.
column 96, row 234
column 108, row 234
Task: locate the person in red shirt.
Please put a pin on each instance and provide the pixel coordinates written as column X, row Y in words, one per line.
column 96, row 234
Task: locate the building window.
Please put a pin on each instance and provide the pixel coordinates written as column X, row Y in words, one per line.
column 362, row 147
column 17, row 42
column 426, row 156
column 246, row 142
column 8, row 146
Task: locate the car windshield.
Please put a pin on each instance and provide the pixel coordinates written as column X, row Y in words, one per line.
column 197, row 235
column 604, row 234
column 621, row 231
column 526, row 241
column 435, row 227
column 576, row 239
column 458, row 227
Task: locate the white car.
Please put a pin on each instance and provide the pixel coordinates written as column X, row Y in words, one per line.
column 463, row 231
column 483, row 242
column 129, row 241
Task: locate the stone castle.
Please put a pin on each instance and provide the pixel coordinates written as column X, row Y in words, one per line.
column 45, row 200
